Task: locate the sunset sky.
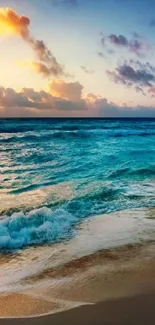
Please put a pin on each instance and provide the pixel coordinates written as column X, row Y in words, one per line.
column 77, row 58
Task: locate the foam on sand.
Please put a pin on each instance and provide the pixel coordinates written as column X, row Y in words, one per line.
column 96, row 233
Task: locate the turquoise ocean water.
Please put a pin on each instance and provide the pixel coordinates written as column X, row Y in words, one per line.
column 55, row 174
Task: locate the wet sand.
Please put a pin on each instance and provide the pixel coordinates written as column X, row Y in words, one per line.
column 137, row 310
column 14, row 305
column 103, row 288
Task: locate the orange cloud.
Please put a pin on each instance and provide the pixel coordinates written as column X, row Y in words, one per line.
column 13, row 24
column 91, row 98
column 41, row 68
column 67, row 90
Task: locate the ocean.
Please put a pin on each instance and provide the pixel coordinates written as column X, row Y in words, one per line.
column 71, row 187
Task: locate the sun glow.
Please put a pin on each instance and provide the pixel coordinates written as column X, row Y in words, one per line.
column 11, row 23
column 6, row 26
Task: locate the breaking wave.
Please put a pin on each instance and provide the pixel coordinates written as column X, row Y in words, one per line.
column 35, row 228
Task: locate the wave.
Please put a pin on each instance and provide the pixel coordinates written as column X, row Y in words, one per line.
column 38, row 227
column 127, row 133
column 71, row 133
column 146, row 171
column 119, row 172
column 138, row 172
column 41, row 137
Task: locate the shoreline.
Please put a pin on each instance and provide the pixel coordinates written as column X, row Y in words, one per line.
column 98, row 278
column 135, row 310
column 97, row 240
column 86, row 275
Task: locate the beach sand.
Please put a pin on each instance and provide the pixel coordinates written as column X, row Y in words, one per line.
column 90, row 291
column 137, row 310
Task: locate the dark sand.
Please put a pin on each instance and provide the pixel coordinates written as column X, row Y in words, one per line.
column 136, row 310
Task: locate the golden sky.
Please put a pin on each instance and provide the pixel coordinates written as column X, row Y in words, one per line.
column 62, row 59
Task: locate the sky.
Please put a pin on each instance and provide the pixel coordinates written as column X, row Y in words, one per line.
column 84, row 58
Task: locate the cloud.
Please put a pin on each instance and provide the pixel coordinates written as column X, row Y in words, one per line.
column 91, row 97
column 86, row 70
column 143, row 66
column 29, row 102
column 13, row 103
column 143, row 75
column 129, row 74
column 140, row 90
column 13, row 24
column 151, row 91
column 135, row 45
column 27, row 98
column 106, row 109
column 55, row 70
column 40, row 68
column 102, row 107
column 118, row 40
column 70, row 91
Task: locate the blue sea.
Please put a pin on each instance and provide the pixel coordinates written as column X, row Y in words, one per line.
column 56, row 174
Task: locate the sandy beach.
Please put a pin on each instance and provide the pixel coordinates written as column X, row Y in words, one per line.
column 83, row 282
column 122, row 294
column 137, row 310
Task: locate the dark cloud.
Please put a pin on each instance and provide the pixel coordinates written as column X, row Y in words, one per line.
column 118, row 40
column 14, row 103
column 136, row 45
column 86, row 70
column 143, row 66
column 140, row 90
column 129, row 74
column 140, row 77
column 27, row 98
column 108, row 109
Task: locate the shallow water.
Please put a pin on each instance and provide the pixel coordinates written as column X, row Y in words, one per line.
column 55, row 173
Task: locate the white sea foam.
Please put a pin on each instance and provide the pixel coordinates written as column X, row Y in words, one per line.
column 37, row 227
column 95, row 233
